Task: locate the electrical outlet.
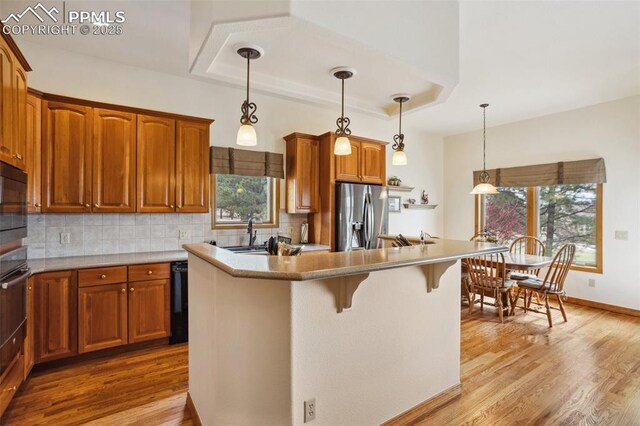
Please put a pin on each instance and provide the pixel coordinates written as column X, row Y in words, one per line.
column 183, row 234
column 309, row 410
column 592, row 282
column 65, row 238
column 290, row 231
column 622, row 235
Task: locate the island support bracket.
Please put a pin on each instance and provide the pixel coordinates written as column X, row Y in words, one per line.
column 433, row 272
column 343, row 289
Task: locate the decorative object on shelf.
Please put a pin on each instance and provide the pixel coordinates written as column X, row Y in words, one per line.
column 394, row 181
column 420, row 206
column 484, row 187
column 342, row 145
column 246, row 133
column 399, row 157
column 394, row 204
column 424, row 198
column 411, row 200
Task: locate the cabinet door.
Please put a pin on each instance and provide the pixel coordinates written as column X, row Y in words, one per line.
column 156, row 164
column 348, row 166
column 149, row 314
column 55, row 314
column 114, row 161
column 302, row 175
column 6, row 103
column 66, row 158
column 192, row 167
column 20, row 117
column 373, row 162
column 102, row 317
column 29, row 340
column 34, row 167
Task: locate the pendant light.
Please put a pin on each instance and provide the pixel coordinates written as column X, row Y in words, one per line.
column 484, row 187
column 342, row 145
column 246, row 133
column 399, row 156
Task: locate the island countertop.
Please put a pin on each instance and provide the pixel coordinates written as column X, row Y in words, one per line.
column 314, row 266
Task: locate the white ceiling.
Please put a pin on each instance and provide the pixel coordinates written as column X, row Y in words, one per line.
column 524, row 58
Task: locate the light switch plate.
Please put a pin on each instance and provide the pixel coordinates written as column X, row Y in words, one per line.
column 65, row 238
column 183, row 234
column 622, row 235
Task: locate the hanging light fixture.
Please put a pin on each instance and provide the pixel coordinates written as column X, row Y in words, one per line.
column 246, row 132
column 484, row 187
column 399, row 156
column 342, row 145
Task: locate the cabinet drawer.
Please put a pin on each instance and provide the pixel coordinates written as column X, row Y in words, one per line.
column 151, row 271
column 99, row 276
column 10, row 384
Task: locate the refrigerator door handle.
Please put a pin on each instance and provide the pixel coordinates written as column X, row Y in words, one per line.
column 370, row 223
column 365, row 221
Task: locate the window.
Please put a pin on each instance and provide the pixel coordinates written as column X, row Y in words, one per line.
column 236, row 199
column 557, row 215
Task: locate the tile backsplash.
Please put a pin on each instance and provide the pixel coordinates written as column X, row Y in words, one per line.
column 94, row 234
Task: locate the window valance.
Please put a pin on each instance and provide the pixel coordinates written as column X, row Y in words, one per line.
column 232, row 161
column 561, row 173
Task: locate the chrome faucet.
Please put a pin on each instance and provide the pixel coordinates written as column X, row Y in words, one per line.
column 252, row 234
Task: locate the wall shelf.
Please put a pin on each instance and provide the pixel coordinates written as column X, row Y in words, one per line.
column 401, row 188
column 420, row 206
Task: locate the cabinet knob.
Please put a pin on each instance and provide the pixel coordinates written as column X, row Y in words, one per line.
column 29, row 288
column 124, row 290
column 171, row 206
column 103, row 276
column 96, row 205
column 11, row 389
column 149, row 272
column 17, row 156
column 37, row 204
column 87, row 205
column 131, row 289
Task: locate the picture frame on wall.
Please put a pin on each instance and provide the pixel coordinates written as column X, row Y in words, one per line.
column 395, row 204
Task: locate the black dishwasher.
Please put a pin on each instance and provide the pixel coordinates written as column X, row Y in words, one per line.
column 179, row 304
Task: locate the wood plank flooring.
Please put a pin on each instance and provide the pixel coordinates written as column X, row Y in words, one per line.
column 586, row 371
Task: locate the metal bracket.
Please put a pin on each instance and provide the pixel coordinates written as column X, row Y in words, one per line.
column 433, row 272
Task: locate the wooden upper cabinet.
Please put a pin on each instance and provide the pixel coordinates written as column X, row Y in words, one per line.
column 55, row 315
column 373, row 158
column 20, row 117
column 34, row 158
column 102, row 317
column 156, row 165
column 303, row 163
column 192, row 167
column 66, row 157
column 348, row 166
column 114, row 161
column 6, row 103
column 149, row 313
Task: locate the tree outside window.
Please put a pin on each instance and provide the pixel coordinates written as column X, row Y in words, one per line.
column 240, row 198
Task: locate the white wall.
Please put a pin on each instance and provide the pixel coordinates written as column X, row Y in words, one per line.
column 66, row 73
column 610, row 130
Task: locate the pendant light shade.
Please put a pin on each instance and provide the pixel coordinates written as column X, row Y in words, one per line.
column 247, row 136
column 484, row 187
column 247, row 133
column 399, row 157
column 342, row 145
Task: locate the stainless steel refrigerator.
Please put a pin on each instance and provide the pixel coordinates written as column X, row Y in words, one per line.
column 361, row 215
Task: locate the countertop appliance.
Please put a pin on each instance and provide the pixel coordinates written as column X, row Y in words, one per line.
column 179, row 302
column 13, row 262
column 361, row 215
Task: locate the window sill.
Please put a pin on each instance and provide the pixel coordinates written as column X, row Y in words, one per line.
column 591, row 269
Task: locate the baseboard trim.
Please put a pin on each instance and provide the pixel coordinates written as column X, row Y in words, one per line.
column 195, row 417
column 422, row 410
column 604, row 306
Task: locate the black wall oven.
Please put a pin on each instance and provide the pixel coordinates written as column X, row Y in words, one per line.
column 13, row 262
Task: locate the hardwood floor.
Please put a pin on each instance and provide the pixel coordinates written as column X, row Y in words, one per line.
column 586, row 371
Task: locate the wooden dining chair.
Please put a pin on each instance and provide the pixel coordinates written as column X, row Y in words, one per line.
column 551, row 285
column 526, row 245
column 487, row 274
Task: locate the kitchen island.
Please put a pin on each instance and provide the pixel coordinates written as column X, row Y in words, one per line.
column 366, row 335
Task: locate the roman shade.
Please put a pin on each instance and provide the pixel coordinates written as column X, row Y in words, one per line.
column 233, row 161
column 561, row 173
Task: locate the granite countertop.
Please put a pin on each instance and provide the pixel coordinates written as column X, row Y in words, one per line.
column 83, row 262
column 326, row 265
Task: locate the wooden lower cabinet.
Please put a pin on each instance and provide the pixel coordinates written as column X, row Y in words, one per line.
column 29, row 340
column 102, row 317
column 149, row 315
column 55, row 315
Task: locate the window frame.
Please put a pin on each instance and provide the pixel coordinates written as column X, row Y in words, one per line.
column 274, row 208
column 533, row 222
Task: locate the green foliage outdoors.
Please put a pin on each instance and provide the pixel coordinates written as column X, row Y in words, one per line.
column 239, row 198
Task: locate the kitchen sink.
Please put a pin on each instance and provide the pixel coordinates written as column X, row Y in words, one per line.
column 247, row 249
